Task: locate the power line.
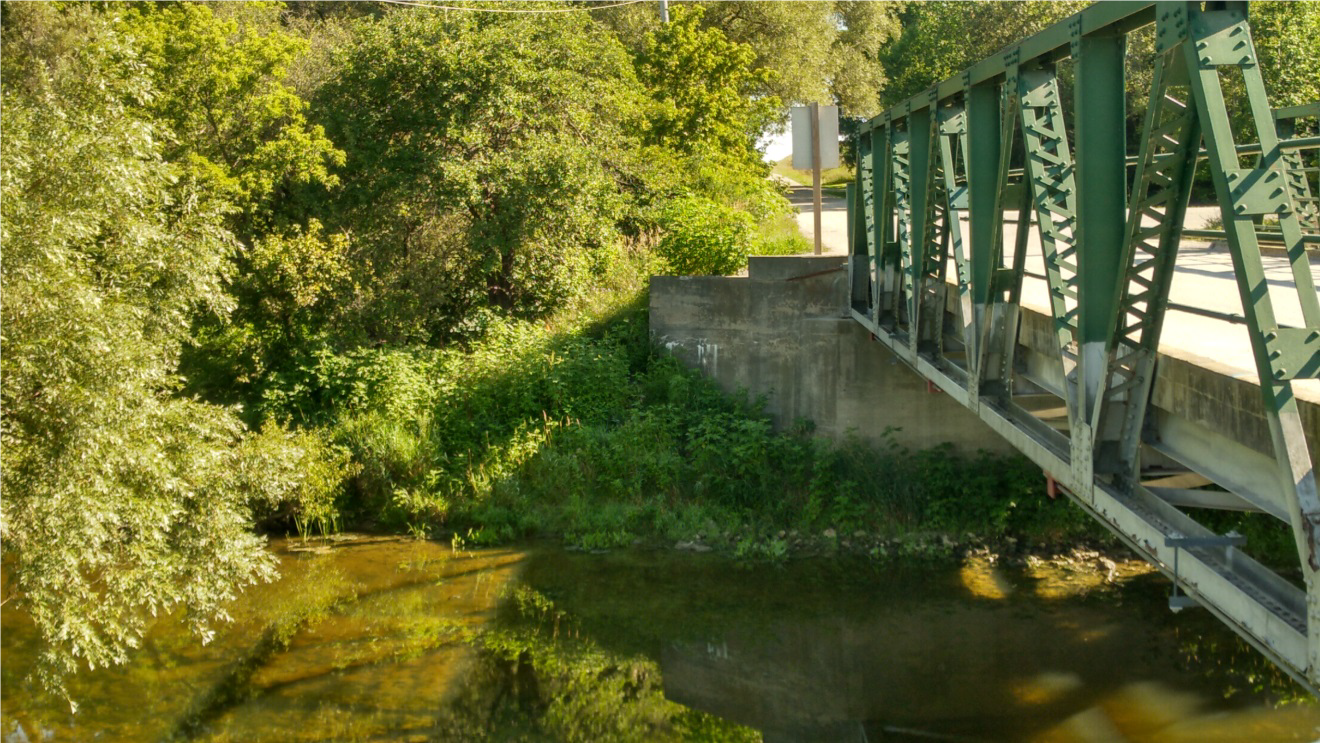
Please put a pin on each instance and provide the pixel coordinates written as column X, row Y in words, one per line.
column 506, row 10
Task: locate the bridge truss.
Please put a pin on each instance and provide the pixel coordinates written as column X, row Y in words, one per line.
column 936, row 176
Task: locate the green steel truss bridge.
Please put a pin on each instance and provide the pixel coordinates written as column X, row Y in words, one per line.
column 933, row 278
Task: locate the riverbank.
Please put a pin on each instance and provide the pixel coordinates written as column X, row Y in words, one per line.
column 581, row 430
column 588, row 433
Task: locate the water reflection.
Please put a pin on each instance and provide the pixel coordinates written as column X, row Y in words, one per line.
column 1038, row 651
column 361, row 637
column 386, row 639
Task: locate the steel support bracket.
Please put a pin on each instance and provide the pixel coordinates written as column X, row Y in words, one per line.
column 1259, row 191
column 1170, row 26
column 1223, row 39
column 1179, row 601
column 1294, row 353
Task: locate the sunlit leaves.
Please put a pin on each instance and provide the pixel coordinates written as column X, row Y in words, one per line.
column 121, row 500
column 703, row 85
column 802, row 51
column 705, row 238
column 1285, row 38
column 940, row 39
column 220, row 90
column 487, row 162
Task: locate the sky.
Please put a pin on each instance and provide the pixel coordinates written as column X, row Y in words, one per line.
column 778, row 146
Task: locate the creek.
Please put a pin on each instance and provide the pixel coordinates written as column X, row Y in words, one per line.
column 387, row 639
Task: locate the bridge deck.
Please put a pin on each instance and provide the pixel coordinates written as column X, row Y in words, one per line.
column 1203, row 279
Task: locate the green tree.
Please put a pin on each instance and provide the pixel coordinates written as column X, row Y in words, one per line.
column 121, row 499
column 704, row 88
column 237, row 128
column 1285, row 36
column 941, row 39
column 489, row 161
column 807, row 51
column 219, row 88
column 709, row 107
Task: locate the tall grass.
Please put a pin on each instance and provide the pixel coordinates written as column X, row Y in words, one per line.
column 839, row 176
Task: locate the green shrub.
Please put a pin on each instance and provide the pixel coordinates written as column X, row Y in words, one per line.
column 704, row 238
column 297, row 475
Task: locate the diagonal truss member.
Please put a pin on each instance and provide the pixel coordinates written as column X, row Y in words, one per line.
column 940, row 176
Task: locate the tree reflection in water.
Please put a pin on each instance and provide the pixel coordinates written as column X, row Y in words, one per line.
column 378, row 639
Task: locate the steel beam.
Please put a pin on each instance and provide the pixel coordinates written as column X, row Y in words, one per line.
column 1102, row 198
column 1109, row 257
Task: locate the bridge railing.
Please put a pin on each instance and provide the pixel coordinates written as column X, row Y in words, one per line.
column 937, row 176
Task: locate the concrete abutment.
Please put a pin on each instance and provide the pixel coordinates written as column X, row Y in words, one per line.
column 783, row 332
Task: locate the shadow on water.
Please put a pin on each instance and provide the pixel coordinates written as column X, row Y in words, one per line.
column 835, row 652
column 384, row 639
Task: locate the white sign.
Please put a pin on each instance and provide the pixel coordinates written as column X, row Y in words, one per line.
column 829, row 137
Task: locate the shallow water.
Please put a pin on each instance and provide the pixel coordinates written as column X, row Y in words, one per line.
column 397, row 640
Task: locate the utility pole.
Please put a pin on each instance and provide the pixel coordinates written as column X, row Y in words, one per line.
column 664, row 11
column 815, row 148
column 815, row 169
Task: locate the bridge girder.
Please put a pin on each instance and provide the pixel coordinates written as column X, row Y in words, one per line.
column 995, row 139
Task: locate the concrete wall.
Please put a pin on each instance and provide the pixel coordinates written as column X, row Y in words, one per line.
column 1205, row 393
column 783, row 332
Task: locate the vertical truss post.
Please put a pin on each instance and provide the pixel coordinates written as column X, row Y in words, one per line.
column 914, row 258
column 1101, row 216
column 889, row 228
column 860, row 220
column 983, row 146
column 998, row 332
column 953, row 150
column 1220, row 38
column 856, row 241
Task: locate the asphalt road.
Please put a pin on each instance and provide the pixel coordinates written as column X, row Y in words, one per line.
column 1203, row 279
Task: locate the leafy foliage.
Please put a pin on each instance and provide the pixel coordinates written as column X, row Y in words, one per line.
column 704, row 237
column 940, row 39
column 704, row 88
column 803, row 51
column 219, row 91
column 486, row 162
column 1284, row 35
column 121, row 499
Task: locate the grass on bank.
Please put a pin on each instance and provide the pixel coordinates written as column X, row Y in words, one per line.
column 834, row 177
